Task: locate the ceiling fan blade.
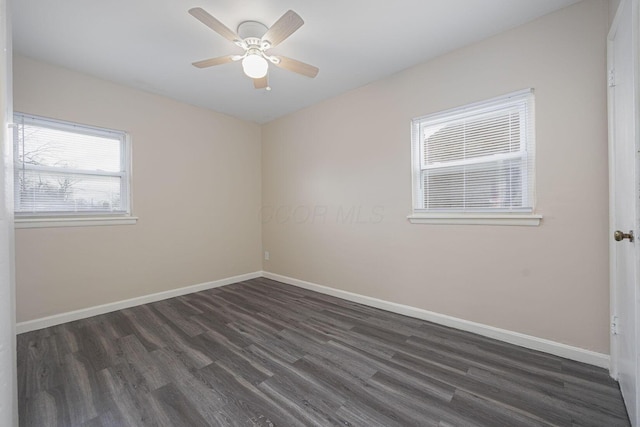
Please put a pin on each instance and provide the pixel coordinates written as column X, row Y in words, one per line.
column 261, row 83
column 283, row 28
column 211, row 22
column 214, row 61
column 297, row 66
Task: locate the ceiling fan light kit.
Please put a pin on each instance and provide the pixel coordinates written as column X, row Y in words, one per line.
column 255, row 38
column 255, row 66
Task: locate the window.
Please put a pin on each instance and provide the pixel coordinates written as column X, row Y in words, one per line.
column 475, row 164
column 69, row 174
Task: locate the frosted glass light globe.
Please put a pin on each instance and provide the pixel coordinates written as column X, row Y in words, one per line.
column 255, row 66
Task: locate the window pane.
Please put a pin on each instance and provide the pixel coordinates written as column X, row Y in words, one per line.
column 444, row 190
column 494, row 188
column 61, row 192
column 500, row 134
column 65, row 149
column 490, row 186
column 472, row 137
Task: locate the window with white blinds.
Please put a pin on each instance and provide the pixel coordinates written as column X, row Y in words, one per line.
column 68, row 169
column 476, row 159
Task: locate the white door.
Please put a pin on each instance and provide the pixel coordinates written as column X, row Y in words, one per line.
column 8, row 405
column 624, row 203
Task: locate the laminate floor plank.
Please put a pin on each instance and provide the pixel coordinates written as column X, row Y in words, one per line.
column 358, row 390
column 419, row 407
column 146, row 326
column 211, row 404
column 46, row 408
column 250, row 371
column 143, row 362
column 485, row 361
column 66, row 337
column 281, row 303
column 181, row 344
column 263, row 353
column 128, row 395
column 439, row 368
column 99, row 349
column 42, row 364
column 247, row 399
column 353, row 414
column 173, row 315
column 81, row 389
column 489, row 412
column 178, row 407
column 222, row 329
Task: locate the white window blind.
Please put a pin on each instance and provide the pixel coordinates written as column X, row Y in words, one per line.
column 64, row 168
column 478, row 158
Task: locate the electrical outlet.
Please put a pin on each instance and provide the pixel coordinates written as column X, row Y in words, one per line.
column 266, row 255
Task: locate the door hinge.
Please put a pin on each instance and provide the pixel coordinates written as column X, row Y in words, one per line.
column 614, row 325
column 611, row 78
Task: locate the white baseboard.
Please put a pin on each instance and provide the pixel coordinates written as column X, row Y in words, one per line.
column 57, row 319
column 527, row 341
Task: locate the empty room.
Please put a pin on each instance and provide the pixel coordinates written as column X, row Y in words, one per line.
column 349, row 213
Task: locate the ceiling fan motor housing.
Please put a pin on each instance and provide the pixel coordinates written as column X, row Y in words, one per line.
column 252, row 30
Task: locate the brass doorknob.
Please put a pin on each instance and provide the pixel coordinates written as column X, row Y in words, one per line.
column 619, row 235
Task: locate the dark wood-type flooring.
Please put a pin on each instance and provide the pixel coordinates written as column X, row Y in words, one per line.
column 261, row 353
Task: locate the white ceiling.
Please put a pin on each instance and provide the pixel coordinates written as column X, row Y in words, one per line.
column 150, row 44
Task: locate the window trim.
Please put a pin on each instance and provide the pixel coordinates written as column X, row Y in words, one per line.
column 84, row 218
column 475, row 219
column 420, row 215
column 50, row 222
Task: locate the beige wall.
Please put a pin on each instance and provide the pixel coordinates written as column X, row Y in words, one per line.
column 613, row 8
column 196, row 190
column 353, row 152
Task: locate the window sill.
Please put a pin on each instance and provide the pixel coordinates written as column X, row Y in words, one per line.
column 475, row 219
column 73, row 221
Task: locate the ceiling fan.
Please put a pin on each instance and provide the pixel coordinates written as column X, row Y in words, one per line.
column 255, row 38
